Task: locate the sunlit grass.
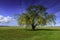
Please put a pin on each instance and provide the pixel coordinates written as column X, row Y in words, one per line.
column 16, row 33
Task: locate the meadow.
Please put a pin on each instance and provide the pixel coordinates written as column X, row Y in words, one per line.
column 17, row 33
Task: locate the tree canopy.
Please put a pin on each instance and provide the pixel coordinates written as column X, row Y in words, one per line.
column 36, row 15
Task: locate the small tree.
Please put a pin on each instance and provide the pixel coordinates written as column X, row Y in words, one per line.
column 36, row 15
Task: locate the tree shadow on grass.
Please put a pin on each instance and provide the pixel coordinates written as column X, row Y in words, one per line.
column 43, row 30
column 48, row 29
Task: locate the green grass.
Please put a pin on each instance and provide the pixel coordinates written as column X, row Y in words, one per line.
column 15, row 33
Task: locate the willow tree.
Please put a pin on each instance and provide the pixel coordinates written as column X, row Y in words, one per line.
column 36, row 15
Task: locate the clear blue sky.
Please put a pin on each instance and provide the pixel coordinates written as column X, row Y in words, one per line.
column 11, row 7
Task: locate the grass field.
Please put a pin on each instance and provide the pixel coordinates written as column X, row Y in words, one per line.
column 15, row 33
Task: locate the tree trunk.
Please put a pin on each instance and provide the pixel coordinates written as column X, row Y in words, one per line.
column 33, row 27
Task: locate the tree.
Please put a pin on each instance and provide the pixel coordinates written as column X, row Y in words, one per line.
column 36, row 15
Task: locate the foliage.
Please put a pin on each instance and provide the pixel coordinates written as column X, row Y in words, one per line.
column 36, row 15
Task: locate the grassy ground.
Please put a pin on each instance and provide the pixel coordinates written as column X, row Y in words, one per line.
column 14, row 33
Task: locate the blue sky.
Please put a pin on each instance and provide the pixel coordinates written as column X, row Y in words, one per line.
column 10, row 7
